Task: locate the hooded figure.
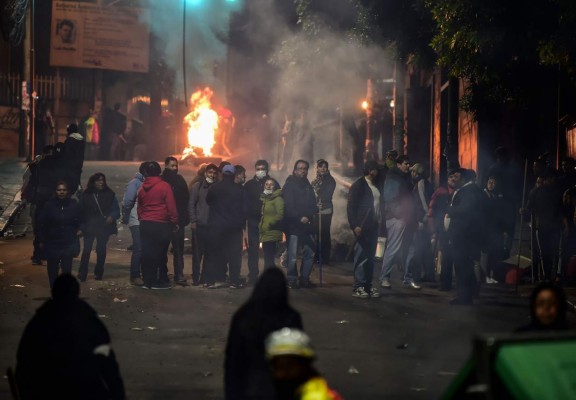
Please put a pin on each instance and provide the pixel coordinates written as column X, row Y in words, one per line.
column 74, row 156
column 247, row 374
column 65, row 350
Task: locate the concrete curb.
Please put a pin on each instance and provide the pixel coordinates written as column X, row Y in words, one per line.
column 10, row 213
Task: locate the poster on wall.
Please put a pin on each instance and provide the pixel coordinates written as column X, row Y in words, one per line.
column 87, row 35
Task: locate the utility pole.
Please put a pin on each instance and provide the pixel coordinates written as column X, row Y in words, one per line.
column 370, row 153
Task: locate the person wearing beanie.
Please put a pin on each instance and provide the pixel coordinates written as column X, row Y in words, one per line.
column 158, row 217
column 324, row 186
column 225, row 223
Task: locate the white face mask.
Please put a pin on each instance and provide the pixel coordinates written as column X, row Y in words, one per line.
column 260, row 174
column 268, row 191
column 210, row 180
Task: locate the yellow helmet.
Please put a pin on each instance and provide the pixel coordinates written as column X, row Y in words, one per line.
column 289, row 341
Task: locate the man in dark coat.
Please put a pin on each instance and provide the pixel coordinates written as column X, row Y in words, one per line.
column 199, row 211
column 299, row 210
column 74, row 157
column 252, row 191
column 182, row 196
column 65, row 351
column 364, row 217
column 246, row 371
column 464, row 225
column 225, row 223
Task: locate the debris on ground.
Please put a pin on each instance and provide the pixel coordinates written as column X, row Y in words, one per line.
column 342, row 322
column 117, row 300
column 353, row 371
column 402, row 346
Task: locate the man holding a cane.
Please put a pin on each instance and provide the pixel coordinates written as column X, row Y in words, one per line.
column 364, row 217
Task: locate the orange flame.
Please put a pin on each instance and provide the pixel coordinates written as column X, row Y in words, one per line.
column 202, row 123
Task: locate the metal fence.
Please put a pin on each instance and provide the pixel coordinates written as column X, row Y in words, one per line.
column 48, row 87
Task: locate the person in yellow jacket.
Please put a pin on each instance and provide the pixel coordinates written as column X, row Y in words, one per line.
column 291, row 358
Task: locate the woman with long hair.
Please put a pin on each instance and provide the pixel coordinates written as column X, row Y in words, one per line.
column 59, row 227
column 100, row 211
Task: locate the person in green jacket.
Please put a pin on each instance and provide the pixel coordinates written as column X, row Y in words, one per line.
column 271, row 221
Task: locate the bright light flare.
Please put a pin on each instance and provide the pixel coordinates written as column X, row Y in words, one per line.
column 365, row 105
column 202, row 124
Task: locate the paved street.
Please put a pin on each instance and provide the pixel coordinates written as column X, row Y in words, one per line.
column 405, row 345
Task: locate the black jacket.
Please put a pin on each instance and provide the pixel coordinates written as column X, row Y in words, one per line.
column 467, row 214
column 252, row 191
column 56, row 357
column 58, row 224
column 226, row 202
column 246, row 371
column 181, row 195
column 324, row 187
column 299, row 201
column 360, row 208
column 94, row 218
column 74, row 158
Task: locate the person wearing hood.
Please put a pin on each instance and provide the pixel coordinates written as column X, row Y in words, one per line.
column 246, row 371
column 158, row 217
column 181, row 196
column 59, row 228
column 300, row 208
column 74, row 155
column 199, row 211
column 65, row 351
column 324, row 186
column 130, row 218
column 100, row 210
column 225, row 223
column 253, row 190
column 270, row 226
column 547, row 309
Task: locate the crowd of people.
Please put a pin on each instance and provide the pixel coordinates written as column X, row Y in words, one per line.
column 463, row 225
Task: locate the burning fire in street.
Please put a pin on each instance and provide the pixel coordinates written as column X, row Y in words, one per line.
column 202, row 125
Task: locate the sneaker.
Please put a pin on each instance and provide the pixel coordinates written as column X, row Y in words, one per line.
column 137, row 282
column 161, row 286
column 386, row 284
column 412, row 285
column 146, row 286
column 360, row 293
column 490, row 280
column 236, row 285
column 374, row 293
column 181, row 282
column 218, row 285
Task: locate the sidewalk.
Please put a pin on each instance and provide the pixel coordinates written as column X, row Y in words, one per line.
column 11, row 172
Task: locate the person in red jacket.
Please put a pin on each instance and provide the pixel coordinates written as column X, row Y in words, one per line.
column 158, row 219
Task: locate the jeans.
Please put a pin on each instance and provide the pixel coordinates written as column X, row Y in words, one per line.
column 155, row 241
column 398, row 249
column 178, row 253
column 199, row 242
column 270, row 249
column 253, row 231
column 294, row 242
column 136, row 258
column 101, row 241
column 54, row 264
column 364, row 252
